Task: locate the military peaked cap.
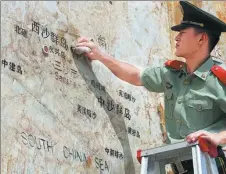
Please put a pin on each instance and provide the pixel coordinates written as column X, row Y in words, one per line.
column 196, row 17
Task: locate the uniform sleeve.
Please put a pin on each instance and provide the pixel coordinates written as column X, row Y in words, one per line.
column 152, row 79
column 222, row 100
column 221, row 90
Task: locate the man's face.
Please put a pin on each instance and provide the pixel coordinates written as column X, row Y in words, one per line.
column 187, row 42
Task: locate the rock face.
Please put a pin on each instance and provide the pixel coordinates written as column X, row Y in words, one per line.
column 64, row 114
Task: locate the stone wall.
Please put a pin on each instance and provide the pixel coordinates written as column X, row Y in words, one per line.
column 64, row 114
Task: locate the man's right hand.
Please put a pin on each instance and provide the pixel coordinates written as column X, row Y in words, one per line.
column 95, row 53
column 122, row 70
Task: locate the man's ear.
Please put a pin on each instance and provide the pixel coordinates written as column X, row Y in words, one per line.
column 203, row 38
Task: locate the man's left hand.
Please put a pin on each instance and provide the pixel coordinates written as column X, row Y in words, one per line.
column 210, row 137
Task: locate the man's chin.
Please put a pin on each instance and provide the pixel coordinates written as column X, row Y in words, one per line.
column 178, row 54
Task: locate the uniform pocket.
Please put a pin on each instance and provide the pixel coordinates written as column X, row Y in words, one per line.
column 169, row 104
column 201, row 105
column 199, row 113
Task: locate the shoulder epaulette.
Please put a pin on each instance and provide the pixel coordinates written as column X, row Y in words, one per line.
column 175, row 64
column 220, row 73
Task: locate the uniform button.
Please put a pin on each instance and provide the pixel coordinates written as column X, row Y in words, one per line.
column 199, row 107
column 178, row 121
column 186, row 82
column 179, row 101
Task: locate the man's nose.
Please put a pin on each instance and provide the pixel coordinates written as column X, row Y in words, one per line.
column 177, row 38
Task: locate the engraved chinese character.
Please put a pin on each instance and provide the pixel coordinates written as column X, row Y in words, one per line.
column 134, row 132
column 93, row 83
column 138, row 134
column 57, row 51
column 83, row 110
column 19, row 69
column 54, row 38
column 101, row 101
column 120, row 93
column 112, row 152
column 133, row 99
column 102, row 42
column 103, row 88
column 125, row 95
column 63, row 43
column 89, row 113
column 24, row 32
column 35, row 27
column 119, row 109
column 110, row 105
column 57, row 65
column 129, row 130
column 17, row 29
column 45, row 32
column 127, row 114
column 98, row 85
column 51, row 49
column 116, row 154
column 73, row 71
column 120, row 156
column 12, row 66
column 129, row 97
column 63, row 55
column 21, row 31
column 4, row 62
column 106, row 150
column 79, row 109
column 94, row 115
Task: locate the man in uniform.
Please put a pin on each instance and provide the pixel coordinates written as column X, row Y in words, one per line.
column 195, row 90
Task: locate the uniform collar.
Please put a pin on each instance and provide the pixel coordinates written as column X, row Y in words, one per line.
column 203, row 71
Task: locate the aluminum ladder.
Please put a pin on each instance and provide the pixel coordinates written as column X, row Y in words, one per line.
column 153, row 160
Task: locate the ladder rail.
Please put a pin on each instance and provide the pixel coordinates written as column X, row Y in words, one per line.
column 202, row 162
column 196, row 159
column 212, row 164
column 144, row 165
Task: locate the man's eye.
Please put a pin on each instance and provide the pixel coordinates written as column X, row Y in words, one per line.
column 181, row 33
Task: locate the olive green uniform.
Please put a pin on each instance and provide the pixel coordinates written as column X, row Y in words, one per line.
column 193, row 102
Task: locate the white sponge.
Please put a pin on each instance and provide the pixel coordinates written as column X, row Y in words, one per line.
column 79, row 49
